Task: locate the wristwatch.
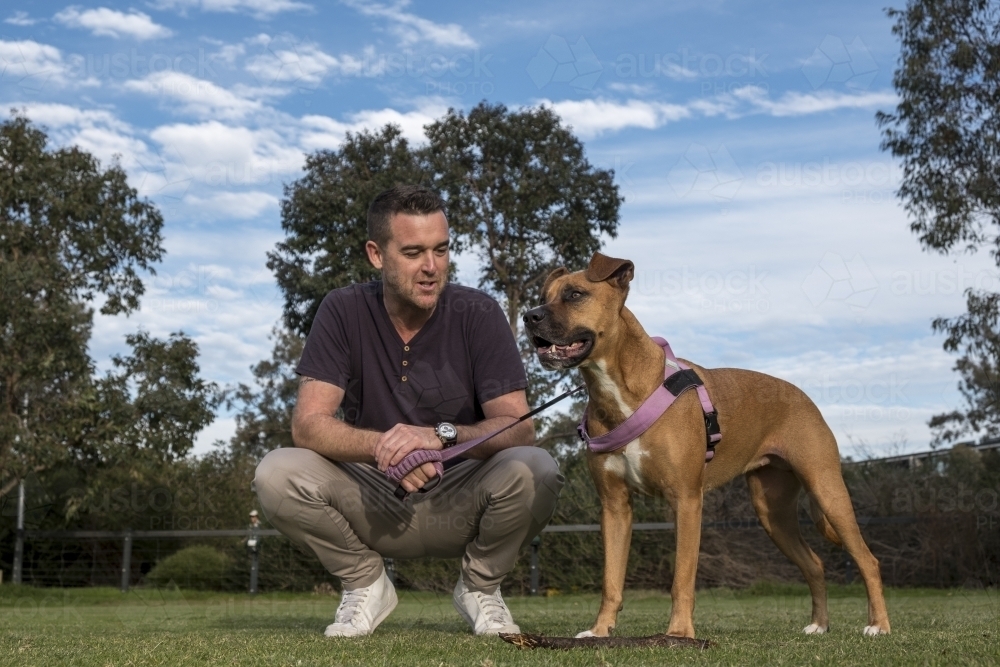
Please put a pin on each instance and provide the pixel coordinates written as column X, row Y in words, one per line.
column 447, row 434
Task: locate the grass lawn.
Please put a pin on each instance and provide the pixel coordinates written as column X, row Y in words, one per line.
column 760, row 627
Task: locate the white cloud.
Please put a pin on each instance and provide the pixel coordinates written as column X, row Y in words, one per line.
column 412, row 29
column 97, row 131
column 110, row 23
column 286, row 61
column 224, row 155
column 30, row 64
column 325, row 132
column 260, row 9
column 238, row 205
column 20, row 18
column 196, row 96
column 589, row 118
column 800, row 104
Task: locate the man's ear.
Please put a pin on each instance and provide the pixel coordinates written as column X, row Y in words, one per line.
column 374, row 254
column 603, row 268
column 561, row 271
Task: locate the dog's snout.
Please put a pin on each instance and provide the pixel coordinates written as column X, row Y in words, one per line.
column 535, row 315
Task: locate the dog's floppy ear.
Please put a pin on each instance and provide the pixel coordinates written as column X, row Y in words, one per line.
column 558, row 273
column 603, row 268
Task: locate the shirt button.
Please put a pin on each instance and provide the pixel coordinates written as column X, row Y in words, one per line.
column 406, row 348
column 404, row 378
column 406, row 363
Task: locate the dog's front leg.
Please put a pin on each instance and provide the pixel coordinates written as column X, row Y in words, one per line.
column 688, row 510
column 616, row 533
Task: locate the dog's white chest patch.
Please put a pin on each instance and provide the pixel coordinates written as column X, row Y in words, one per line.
column 606, row 385
column 626, row 463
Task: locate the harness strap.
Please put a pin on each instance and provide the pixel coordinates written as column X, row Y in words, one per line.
column 678, row 378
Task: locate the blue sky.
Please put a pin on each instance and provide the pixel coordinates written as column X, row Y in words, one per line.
column 759, row 210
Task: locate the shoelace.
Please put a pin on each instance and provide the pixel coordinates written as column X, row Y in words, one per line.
column 494, row 609
column 350, row 604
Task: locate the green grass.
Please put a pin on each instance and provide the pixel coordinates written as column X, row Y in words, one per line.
column 760, row 626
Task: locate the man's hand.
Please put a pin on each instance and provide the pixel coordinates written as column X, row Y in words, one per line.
column 418, row 477
column 393, row 445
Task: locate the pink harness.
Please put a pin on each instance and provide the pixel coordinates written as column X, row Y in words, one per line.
column 678, row 377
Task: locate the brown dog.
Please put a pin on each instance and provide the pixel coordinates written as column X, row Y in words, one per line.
column 772, row 433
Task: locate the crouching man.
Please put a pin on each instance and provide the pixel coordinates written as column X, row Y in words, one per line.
column 413, row 363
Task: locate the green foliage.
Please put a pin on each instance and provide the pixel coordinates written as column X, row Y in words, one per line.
column 522, row 194
column 946, row 131
column 324, row 215
column 265, row 418
column 199, row 567
column 70, row 231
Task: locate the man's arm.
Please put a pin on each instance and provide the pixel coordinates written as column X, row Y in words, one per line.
column 315, row 427
column 402, row 439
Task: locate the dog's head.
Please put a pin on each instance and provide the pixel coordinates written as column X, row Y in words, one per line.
column 578, row 309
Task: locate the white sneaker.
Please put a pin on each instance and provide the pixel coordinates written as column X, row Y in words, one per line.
column 487, row 614
column 361, row 610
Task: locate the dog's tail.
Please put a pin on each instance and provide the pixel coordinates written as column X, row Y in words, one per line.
column 822, row 523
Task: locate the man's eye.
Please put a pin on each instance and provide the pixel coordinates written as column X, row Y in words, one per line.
column 411, row 255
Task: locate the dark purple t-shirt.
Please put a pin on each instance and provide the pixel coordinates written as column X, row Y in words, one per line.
column 463, row 357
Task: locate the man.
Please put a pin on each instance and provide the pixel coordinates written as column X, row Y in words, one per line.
column 413, row 363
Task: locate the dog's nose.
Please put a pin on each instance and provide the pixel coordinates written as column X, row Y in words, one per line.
column 535, row 315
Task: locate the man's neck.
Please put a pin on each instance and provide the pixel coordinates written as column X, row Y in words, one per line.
column 405, row 317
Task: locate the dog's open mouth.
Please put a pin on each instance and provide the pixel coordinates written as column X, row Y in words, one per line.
column 562, row 354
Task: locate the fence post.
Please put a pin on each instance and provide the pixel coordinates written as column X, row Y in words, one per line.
column 126, row 559
column 253, row 546
column 390, row 569
column 535, row 544
column 19, row 539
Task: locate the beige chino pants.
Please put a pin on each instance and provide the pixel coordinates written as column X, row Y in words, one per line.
column 346, row 513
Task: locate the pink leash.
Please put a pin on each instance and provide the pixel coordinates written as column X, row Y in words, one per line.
column 437, row 457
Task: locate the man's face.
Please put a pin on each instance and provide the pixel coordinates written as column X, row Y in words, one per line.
column 414, row 263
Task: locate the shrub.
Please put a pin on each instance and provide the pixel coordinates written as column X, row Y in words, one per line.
column 200, row 567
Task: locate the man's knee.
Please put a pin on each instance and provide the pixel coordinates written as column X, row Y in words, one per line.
column 531, row 473
column 273, row 480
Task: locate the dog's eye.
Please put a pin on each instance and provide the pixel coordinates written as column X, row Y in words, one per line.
column 575, row 294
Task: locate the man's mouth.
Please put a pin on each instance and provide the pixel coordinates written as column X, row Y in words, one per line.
column 426, row 285
column 562, row 353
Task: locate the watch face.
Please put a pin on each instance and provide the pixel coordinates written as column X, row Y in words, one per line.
column 447, row 431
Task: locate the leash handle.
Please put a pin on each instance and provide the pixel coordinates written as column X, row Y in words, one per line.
column 418, row 457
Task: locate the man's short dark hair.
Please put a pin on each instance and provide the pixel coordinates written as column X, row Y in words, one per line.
column 408, row 199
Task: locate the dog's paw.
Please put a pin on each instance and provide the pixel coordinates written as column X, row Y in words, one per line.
column 813, row 629
column 874, row 630
column 584, row 634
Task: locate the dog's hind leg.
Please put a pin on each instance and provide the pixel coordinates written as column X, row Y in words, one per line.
column 775, row 496
column 826, row 487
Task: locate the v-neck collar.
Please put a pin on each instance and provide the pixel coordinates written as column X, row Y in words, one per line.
column 380, row 297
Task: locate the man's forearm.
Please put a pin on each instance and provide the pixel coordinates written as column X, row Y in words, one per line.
column 331, row 437
column 520, row 435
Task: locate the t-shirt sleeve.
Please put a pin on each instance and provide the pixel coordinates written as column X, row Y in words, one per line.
column 496, row 362
column 326, row 355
